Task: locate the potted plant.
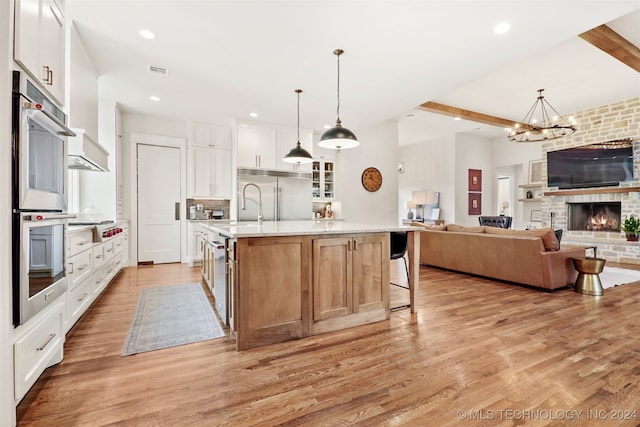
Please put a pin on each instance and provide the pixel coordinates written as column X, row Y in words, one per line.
column 630, row 226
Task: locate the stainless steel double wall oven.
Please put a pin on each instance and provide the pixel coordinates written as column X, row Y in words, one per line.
column 39, row 199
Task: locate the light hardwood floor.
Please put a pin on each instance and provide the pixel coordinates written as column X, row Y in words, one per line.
column 489, row 352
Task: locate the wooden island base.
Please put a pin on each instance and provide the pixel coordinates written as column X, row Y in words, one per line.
column 293, row 279
column 292, row 287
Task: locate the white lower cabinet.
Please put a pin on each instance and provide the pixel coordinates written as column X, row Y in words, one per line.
column 195, row 244
column 79, row 299
column 37, row 349
column 91, row 268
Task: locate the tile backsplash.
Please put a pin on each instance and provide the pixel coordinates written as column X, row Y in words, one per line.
column 209, row 205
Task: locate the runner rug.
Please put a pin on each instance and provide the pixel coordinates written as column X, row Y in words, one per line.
column 169, row 316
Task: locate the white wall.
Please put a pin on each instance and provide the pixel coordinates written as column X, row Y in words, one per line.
column 442, row 165
column 378, row 148
column 473, row 152
column 429, row 166
column 98, row 189
column 149, row 125
column 7, row 409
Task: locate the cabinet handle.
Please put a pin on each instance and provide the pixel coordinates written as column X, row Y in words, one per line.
column 99, row 256
column 83, row 297
column 349, row 246
column 355, row 245
column 50, row 78
column 83, row 243
column 82, row 267
column 45, row 73
column 47, row 341
column 71, row 265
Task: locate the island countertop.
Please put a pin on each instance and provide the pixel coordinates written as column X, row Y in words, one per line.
column 241, row 229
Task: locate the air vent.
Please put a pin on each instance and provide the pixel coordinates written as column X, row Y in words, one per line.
column 153, row 69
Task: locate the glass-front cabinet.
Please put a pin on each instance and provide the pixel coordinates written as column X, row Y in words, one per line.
column 323, row 179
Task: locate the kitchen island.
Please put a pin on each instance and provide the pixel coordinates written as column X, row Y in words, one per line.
column 292, row 279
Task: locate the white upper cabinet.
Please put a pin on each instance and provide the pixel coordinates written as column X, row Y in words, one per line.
column 210, row 161
column 263, row 146
column 39, row 44
column 257, row 147
column 212, row 136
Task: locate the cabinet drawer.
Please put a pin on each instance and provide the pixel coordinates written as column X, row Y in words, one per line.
column 38, row 349
column 79, row 299
column 99, row 278
column 108, row 250
column 79, row 241
column 117, row 244
column 98, row 256
column 79, row 268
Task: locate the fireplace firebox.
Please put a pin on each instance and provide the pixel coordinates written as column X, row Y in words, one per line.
column 594, row 216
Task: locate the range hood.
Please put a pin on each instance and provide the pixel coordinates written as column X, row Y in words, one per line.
column 86, row 154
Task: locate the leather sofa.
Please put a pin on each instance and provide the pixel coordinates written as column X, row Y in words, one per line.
column 517, row 256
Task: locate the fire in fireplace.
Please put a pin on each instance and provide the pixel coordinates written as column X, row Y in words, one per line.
column 594, row 216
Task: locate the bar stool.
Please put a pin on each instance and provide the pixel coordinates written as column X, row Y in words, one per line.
column 588, row 281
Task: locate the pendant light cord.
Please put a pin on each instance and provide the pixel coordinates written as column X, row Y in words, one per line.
column 338, row 53
column 298, row 91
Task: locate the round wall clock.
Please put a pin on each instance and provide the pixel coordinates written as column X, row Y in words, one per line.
column 371, row 179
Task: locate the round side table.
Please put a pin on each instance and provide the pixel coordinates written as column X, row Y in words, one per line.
column 588, row 281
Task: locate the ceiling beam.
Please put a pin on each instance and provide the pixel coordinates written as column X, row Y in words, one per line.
column 612, row 43
column 448, row 110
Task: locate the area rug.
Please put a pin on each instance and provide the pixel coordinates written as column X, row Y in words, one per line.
column 613, row 276
column 169, row 316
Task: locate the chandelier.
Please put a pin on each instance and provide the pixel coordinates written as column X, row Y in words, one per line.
column 542, row 123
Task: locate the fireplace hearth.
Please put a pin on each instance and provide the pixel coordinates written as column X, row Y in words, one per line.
column 594, row 216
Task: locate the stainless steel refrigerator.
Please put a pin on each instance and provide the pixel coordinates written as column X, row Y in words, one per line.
column 286, row 196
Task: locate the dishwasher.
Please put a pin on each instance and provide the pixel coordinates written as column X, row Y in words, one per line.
column 220, row 284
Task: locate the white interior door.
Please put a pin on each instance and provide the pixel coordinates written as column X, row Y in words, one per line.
column 158, row 204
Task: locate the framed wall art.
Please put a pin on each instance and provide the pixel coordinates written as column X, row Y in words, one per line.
column 535, row 172
column 475, row 180
column 475, row 204
column 536, row 216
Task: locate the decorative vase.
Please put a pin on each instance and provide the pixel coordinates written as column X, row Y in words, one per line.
column 631, row 236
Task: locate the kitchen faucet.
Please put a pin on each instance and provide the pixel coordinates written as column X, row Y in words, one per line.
column 259, row 202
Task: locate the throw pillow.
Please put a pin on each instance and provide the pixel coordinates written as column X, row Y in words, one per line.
column 548, row 236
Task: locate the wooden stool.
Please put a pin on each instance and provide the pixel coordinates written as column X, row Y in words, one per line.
column 588, row 281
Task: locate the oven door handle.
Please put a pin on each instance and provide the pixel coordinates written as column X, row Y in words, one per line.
column 50, row 122
column 48, row 215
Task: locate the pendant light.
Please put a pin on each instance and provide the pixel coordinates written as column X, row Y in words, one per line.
column 338, row 137
column 297, row 153
column 542, row 123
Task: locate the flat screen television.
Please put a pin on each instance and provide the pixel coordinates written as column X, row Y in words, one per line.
column 603, row 164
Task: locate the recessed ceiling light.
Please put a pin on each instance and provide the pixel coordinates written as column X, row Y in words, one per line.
column 327, row 126
column 501, row 28
column 147, row 34
column 457, row 118
column 254, row 115
column 154, row 98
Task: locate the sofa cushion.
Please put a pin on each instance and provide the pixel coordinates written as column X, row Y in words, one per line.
column 464, row 229
column 548, row 236
column 433, row 227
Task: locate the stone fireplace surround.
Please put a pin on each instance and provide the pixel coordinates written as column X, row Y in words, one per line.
column 605, row 123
